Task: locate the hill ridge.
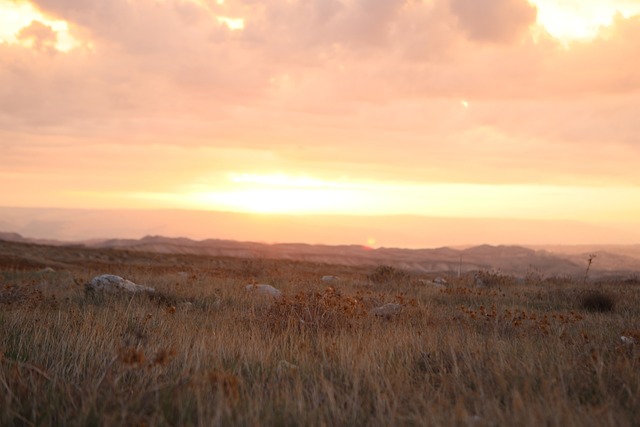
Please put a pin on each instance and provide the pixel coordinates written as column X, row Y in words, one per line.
column 509, row 259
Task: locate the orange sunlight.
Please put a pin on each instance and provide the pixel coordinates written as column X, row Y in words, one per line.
column 451, row 109
column 281, row 193
column 288, row 194
column 232, row 23
column 17, row 16
column 582, row 20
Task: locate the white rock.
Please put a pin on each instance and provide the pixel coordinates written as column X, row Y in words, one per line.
column 115, row 284
column 627, row 340
column 387, row 310
column 286, row 367
column 435, row 284
column 185, row 306
column 264, row 290
column 440, row 281
column 330, row 278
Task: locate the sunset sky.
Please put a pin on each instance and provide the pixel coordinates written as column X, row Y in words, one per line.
column 439, row 108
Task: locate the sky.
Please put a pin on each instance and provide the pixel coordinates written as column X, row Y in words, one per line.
column 501, row 109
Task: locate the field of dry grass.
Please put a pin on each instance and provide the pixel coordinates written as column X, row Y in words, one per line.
column 529, row 354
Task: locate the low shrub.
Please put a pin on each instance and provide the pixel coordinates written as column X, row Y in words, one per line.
column 598, row 301
column 490, row 278
column 327, row 310
column 385, row 275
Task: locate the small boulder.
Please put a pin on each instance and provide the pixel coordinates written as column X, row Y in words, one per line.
column 110, row 283
column 185, row 306
column 264, row 290
column 627, row 340
column 434, row 283
column 330, row 278
column 285, row 367
column 387, row 310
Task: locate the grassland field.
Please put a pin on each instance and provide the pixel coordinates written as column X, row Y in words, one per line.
column 205, row 352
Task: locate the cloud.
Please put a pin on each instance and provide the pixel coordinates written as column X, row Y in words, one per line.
column 602, row 65
column 305, row 79
column 40, row 36
column 494, row 20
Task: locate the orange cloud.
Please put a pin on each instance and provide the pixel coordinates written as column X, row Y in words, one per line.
column 40, row 36
column 169, row 99
column 495, row 21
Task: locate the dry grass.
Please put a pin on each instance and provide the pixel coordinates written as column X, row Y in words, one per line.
column 509, row 354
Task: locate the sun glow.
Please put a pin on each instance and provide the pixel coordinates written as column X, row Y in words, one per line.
column 282, row 180
column 234, row 24
column 288, row 194
column 278, row 201
column 16, row 17
column 569, row 20
column 281, row 193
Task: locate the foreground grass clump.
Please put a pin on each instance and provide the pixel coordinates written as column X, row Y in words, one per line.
column 215, row 354
column 598, row 301
column 327, row 310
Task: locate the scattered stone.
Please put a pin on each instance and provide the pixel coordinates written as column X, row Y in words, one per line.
column 434, row 283
column 387, row 310
column 330, row 278
column 627, row 340
column 440, row 281
column 285, row 367
column 185, row 306
column 264, row 290
column 110, row 283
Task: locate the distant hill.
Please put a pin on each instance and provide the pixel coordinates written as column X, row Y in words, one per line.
column 16, row 237
column 400, row 231
column 11, row 237
column 515, row 260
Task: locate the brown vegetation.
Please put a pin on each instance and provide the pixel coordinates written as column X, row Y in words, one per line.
column 598, row 301
column 508, row 354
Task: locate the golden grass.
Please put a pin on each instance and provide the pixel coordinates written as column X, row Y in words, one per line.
column 509, row 354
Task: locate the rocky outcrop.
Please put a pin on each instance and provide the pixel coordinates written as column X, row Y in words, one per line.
column 264, row 290
column 388, row 310
column 109, row 283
